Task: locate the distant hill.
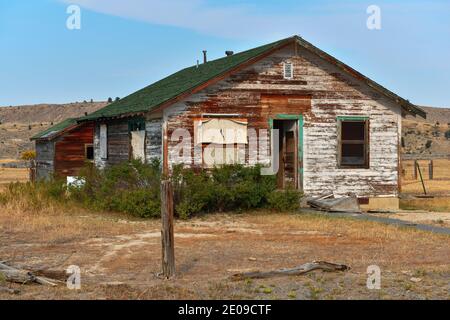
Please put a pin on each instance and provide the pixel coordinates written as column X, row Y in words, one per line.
column 18, row 124
column 421, row 137
column 428, row 137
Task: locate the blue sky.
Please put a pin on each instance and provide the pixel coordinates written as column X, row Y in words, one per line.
column 123, row 46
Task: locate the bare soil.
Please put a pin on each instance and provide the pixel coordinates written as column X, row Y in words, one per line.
column 119, row 256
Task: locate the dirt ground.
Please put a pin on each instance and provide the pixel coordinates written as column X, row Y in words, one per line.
column 425, row 217
column 120, row 257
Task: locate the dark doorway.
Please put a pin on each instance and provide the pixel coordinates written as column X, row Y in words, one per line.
column 287, row 175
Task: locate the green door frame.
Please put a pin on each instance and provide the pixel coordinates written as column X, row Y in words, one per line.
column 299, row 119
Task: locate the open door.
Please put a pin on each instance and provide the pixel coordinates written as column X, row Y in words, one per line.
column 288, row 172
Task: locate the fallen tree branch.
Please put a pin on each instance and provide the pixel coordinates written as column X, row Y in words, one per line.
column 23, row 276
column 304, row 268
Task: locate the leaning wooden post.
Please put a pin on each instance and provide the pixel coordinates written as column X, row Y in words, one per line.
column 421, row 179
column 167, row 239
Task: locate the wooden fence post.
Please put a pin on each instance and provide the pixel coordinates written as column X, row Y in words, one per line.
column 416, row 164
column 430, row 170
column 167, row 238
column 421, row 179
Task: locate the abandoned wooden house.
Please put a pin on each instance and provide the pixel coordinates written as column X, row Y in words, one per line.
column 338, row 131
column 64, row 149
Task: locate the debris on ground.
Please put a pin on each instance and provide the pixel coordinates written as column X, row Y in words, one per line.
column 304, row 268
column 21, row 276
column 331, row 203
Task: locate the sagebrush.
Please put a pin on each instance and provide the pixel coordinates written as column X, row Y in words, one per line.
column 134, row 188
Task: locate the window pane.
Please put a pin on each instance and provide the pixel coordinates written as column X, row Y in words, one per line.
column 352, row 154
column 90, row 153
column 353, row 130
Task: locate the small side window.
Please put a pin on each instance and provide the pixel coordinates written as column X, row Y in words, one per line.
column 288, row 72
column 89, row 152
column 353, row 144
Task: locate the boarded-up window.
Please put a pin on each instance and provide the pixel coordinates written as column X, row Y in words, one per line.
column 221, row 131
column 103, row 141
column 223, row 139
column 354, row 143
column 138, row 144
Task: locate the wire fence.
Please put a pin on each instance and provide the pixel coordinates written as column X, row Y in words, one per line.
column 434, row 173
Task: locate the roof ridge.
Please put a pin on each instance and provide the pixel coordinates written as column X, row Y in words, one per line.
column 218, row 66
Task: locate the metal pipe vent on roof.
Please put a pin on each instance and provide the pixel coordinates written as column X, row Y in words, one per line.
column 229, row 53
column 205, row 59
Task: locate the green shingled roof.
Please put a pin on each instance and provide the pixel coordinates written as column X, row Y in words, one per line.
column 57, row 128
column 178, row 83
column 188, row 79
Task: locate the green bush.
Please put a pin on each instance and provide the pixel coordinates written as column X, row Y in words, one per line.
column 284, row 200
column 131, row 187
column 228, row 188
column 447, row 134
column 134, row 188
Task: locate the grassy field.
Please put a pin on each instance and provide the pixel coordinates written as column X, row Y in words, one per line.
column 440, row 185
column 119, row 257
column 8, row 175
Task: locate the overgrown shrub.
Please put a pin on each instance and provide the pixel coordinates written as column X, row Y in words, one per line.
column 134, row 188
column 447, row 134
column 131, row 187
column 226, row 188
column 283, row 200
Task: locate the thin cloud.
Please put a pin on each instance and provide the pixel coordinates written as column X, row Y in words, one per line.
column 232, row 21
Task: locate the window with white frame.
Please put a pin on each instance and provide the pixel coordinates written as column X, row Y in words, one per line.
column 288, row 70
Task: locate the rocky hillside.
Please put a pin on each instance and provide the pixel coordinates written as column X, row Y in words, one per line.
column 421, row 137
column 18, row 124
column 428, row 137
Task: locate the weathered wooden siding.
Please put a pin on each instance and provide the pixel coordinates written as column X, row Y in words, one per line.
column 70, row 154
column 153, row 142
column 332, row 92
column 45, row 154
column 118, row 143
column 98, row 161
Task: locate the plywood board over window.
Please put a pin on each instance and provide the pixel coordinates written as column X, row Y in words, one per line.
column 103, row 141
column 138, row 144
column 223, row 140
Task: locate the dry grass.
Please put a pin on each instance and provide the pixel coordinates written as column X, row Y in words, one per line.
column 441, row 177
column 429, row 204
column 8, row 175
column 113, row 248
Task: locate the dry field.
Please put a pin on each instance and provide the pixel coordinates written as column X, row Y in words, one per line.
column 119, row 256
column 8, row 175
column 440, row 185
